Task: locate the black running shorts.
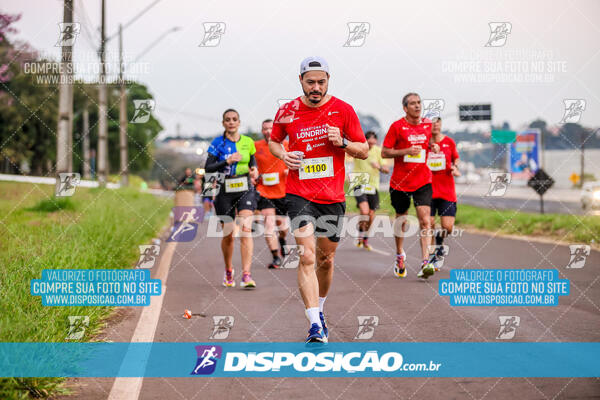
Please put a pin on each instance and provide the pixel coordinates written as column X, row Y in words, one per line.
column 372, row 199
column 280, row 205
column 401, row 200
column 231, row 203
column 443, row 208
column 328, row 219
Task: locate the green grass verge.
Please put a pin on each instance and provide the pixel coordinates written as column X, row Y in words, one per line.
column 95, row 228
column 564, row 227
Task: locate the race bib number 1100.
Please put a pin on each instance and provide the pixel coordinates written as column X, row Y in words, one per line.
column 419, row 158
column 319, row 167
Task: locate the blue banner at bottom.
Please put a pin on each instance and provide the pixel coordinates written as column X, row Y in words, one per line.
column 228, row 359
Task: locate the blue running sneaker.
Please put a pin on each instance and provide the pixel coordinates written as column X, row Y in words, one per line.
column 315, row 334
column 325, row 330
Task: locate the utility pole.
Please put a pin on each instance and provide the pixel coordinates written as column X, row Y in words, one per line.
column 543, row 145
column 65, row 103
column 102, row 112
column 86, row 142
column 123, row 116
column 70, row 135
column 581, row 136
column 103, row 164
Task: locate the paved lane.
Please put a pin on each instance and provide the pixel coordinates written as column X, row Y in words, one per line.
column 408, row 310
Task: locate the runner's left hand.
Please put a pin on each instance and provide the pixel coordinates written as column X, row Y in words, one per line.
column 435, row 147
column 334, row 135
column 455, row 170
column 253, row 175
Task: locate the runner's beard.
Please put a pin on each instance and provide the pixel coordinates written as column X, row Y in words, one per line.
column 315, row 101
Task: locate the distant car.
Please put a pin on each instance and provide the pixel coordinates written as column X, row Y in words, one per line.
column 590, row 195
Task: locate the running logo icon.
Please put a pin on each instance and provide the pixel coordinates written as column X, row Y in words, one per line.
column 186, row 223
column 358, row 181
column 432, row 108
column 68, row 33
column 439, row 253
column 222, row 327
column 143, row 110
column 292, row 255
column 508, row 327
column 207, row 359
column 357, row 34
column 579, row 253
column 287, row 110
column 212, row 183
column 212, row 34
column 77, row 326
column 68, row 183
column 499, row 183
column 499, row 32
column 366, row 326
column 148, row 255
column 573, row 111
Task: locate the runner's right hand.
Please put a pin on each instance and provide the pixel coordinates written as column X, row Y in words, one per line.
column 414, row 150
column 235, row 157
column 376, row 165
column 292, row 160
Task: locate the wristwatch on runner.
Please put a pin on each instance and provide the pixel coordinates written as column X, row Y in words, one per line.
column 344, row 143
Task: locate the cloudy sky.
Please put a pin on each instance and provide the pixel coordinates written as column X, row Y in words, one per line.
column 436, row 48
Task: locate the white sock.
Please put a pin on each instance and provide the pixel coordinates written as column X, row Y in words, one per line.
column 313, row 316
column 321, row 302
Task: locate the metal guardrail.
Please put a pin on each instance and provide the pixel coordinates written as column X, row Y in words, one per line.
column 52, row 181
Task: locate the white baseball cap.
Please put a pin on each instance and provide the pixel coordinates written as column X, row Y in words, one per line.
column 314, row 64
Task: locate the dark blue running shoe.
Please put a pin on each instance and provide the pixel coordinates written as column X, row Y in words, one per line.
column 325, row 330
column 315, row 334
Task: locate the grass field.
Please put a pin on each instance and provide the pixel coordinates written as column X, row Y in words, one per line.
column 567, row 228
column 96, row 228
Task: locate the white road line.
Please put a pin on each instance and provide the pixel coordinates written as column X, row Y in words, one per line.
column 129, row 388
column 385, row 253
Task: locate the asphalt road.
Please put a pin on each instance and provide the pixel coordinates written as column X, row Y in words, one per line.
column 409, row 310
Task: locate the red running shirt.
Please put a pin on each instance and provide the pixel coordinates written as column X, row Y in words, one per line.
column 321, row 177
column 410, row 172
column 273, row 171
column 443, row 180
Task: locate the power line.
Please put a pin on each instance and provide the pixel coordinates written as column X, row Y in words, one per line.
column 88, row 25
column 155, row 42
column 131, row 21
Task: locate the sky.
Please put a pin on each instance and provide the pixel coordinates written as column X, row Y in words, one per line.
column 435, row 48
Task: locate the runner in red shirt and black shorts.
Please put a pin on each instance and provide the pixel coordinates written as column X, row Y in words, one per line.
column 321, row 130
column 271, row 193
column 408, row 141
column 444, row 167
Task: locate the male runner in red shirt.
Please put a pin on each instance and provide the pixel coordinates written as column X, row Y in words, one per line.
column 321, row 129
column 444, row 167
column 408, row 140
column 271, row 193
